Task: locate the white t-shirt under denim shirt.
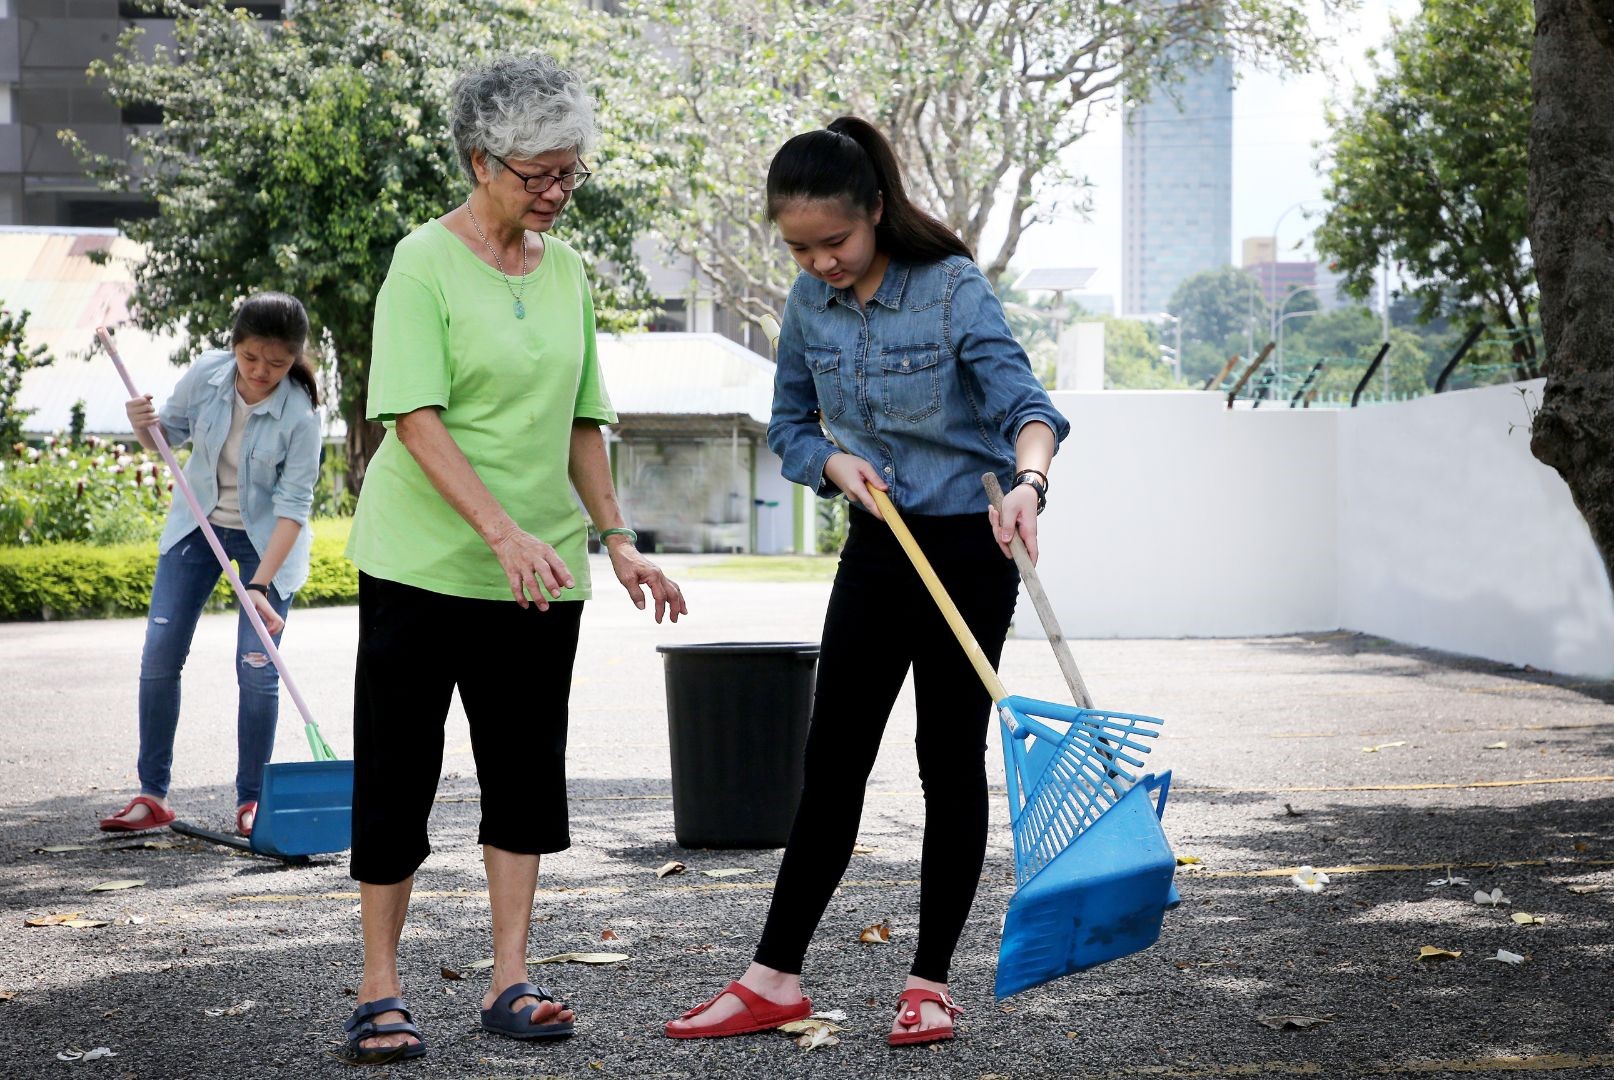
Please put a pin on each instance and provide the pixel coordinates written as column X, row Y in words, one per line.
column 227, row 512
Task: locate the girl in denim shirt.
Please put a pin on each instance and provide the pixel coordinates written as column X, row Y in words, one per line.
column 894, row 340
column 251, row 415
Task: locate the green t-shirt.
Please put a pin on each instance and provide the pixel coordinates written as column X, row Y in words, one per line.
column 508, row 389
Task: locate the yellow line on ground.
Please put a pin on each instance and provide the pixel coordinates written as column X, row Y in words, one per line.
column 1393, row 868
column 1533, row 1063
column 1185, row 790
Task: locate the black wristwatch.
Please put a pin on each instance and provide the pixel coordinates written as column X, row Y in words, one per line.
column 253, row 586
column 1029, row 478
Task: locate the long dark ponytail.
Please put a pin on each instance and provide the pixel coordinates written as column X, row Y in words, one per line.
column 851, row 160
column 280, row 317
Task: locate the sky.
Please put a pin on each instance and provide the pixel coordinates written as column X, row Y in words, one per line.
column 1276, row 123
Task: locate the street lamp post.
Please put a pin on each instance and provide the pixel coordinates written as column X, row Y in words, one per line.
column 1272, row 322
column 1284, row 319
column 1278, row 323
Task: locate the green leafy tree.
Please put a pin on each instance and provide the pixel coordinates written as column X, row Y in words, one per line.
column 296, row 157
column 1132, row 357
column 17, row 358
column 1429, row 166
column 980, row 99
column 1346, row 340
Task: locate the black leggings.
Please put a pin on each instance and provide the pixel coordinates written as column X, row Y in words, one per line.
column 880, row 621
column 513, row 668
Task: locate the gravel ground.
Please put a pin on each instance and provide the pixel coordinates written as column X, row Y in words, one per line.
column 1266, row 738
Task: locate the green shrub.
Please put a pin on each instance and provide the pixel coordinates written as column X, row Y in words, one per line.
column 72, row 581
column 85, row 491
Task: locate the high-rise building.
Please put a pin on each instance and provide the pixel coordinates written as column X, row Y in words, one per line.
column 1177, row 201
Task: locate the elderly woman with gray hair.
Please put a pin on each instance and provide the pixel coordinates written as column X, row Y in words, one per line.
column 470, row 546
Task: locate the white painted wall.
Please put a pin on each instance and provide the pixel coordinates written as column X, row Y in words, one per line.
column 1423, row 521
column 1164, row 503
column 1452, row 535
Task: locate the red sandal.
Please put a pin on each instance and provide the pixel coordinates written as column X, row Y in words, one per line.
column 909, row 1003
column 760, row 1015
column 157, row 815
column 243, row 827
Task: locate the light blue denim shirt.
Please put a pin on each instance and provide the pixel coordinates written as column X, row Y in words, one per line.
column 927, row 384
column 279, row 458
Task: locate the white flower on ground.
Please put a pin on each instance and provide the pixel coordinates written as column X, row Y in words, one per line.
column 1310, row 879
column 149, row 481
column 1494, row 898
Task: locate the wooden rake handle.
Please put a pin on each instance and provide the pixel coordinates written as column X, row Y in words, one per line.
column 1039, row 600
column 949, row 610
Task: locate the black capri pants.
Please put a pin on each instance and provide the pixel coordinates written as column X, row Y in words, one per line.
column 513, row 668
column 880, row 622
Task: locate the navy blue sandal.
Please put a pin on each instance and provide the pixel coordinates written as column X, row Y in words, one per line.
column 361, row 1025
column 517, row 1024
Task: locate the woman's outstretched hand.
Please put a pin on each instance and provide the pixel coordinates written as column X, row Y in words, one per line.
column 533, row 568
column 854, row 476
column 637, row 573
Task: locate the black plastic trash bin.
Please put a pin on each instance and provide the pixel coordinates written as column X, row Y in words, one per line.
column 737, row 717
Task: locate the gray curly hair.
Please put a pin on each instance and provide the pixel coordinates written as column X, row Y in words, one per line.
column 520, row 106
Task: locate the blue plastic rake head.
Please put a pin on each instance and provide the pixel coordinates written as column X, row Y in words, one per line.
column 1093, row 870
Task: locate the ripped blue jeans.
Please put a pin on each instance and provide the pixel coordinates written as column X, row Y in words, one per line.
column 186, row 575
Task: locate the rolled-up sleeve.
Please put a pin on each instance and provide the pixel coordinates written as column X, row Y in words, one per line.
column 175, row 414
column 793, row 431
column 981, row 339
column 293, row 496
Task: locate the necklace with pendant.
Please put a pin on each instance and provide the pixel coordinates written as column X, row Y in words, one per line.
column 520, row 308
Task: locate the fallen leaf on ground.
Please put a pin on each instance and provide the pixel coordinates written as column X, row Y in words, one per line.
column 863, row 849
column 832, row 1015
column 878, row 934
column 811, row 1024
column 7, row 995
column 817, row 1037
column 1289, row 811
column 148, row 845
column 1585, row 890
column 674, row 867
column 1293, row 1023
column 1309, row 879
column 450, row 973
column 54, row 848
column 1432, row 955
column 1497, row 746
column 1506, row 957
column 1381, row 746
column 1581, row 845
column 1189, row 860
column 239, row 1009
column 1494, row 898
column 1524, row 918
column 1449, row 879
column 731, row 871
column 99, row 1052
column 485, row 962
column 75, row 919
column 583, row 958
column 607, row 934
column 115, row 886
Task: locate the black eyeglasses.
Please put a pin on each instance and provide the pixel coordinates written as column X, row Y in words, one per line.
column 538, row 183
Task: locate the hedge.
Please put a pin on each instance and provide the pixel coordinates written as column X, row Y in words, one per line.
column 76, row 581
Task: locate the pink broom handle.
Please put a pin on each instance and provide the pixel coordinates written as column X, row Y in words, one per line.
column 241, row 593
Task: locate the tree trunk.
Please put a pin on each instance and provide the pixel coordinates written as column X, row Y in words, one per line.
column 363, row 439
column 1572, row 241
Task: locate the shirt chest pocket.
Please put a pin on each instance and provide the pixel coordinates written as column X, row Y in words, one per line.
column 824, row 361
column 265, row 468
column 910, row 381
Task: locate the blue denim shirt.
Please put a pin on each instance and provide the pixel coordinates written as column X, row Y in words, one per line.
column 927, row 384
column 279, row 458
